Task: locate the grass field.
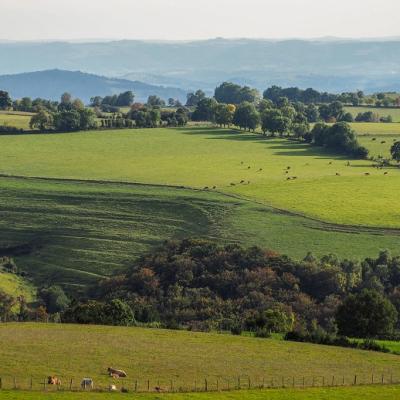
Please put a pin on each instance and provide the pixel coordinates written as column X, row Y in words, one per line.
column 79, row 232
column 17, row 119
column 381, row 111
column 186, row 358
column 346, row 393
column 200, row 157
column 376, row 129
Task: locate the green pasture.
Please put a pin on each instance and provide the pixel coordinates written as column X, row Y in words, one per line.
column 79, row 232
column 16, row 119
column 376, row 129
column 381, row 111
column 178, row 358
column 379, row 145
column 236, row 163
column 336, row 393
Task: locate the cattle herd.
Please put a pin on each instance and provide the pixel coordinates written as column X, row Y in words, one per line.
column 88, row 383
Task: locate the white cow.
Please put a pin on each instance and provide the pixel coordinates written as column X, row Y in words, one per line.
column 87, row 383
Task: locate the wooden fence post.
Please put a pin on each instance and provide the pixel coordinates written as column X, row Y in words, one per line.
column 70, row 384
column 372, row 379
column 1, row 383
column 136, row 385
column 148, row 385
column 217, row 385
column 383, row 379
column 355, row 379
column 249, row 383
column 333, row 380
column 238, row 383
column 15, row 382
column 293, row 383
column 31, row 384
column 171, row 385
column 205, row 385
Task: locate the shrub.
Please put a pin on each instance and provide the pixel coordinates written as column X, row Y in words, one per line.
column 10, row 129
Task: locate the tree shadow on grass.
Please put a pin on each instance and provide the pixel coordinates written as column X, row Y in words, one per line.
column 280, row 146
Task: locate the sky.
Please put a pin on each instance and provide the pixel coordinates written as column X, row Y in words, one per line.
column 196, row 19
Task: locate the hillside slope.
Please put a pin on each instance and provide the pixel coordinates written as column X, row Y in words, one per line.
column 50, row 84
column 73, row 351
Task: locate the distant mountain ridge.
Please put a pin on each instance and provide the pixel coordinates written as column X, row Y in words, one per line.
column 50, row 84
column 333, row 65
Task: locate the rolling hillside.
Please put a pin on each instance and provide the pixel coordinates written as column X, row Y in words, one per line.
column 185, row 358
column 50, row 84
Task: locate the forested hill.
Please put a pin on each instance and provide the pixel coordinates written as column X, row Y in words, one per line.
column 329, row 65
column 51, row 83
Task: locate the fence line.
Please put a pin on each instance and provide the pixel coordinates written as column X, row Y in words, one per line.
column 207, row 384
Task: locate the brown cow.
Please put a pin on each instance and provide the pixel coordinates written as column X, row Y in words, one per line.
column 53, row 380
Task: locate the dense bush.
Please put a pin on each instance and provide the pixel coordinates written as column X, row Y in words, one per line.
column 201, row 285
column 339, row 138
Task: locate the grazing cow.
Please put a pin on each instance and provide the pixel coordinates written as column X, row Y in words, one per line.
column 159, row 389
column 87, row 383
column 337, row 174
column 294, row 177
column 385, row 173
column 214, row 187
column 112, row 388
column 367, row 174
column 260, row 170
column 205, row 187
column 53, row 380
column 248, row 167
column 383, row 142
column 119, row 372
column 374, row 138
column 242, row 181
column 330, row 162
column 232, row 184
column 288, row 178
column 286, row 172
column 248, row 182
column 287, row 167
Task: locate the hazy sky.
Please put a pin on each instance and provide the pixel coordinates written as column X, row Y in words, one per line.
column 196, row 19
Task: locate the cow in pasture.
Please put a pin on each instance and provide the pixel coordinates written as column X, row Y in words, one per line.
column 385, row 173
column 159, row 389
column 367, row 174
column 87, row 383
column 119, row 372
column 337, row 174
column 53, row 380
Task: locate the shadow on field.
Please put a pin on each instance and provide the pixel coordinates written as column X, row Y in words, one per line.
column 280, row 146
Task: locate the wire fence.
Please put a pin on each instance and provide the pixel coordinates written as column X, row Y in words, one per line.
column 207, row 384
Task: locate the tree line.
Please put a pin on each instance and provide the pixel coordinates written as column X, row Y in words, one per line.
column 198, row 285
